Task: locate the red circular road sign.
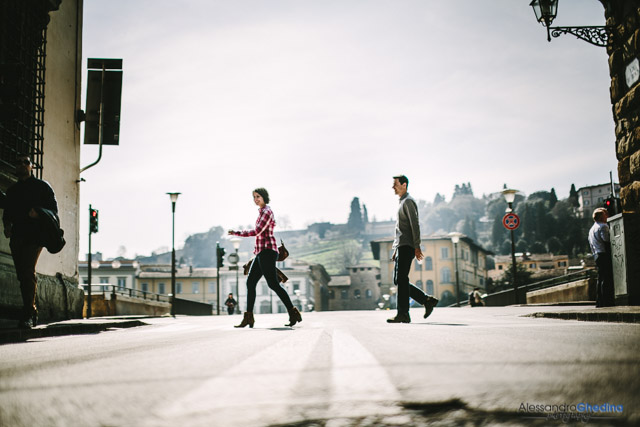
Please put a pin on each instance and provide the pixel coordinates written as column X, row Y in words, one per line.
column 511, row 221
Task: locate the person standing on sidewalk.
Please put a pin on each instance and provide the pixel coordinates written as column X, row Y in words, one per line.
column 406, row 246
column 264, row 264
column 601, row 248
column 231, row 304
column 24, row 200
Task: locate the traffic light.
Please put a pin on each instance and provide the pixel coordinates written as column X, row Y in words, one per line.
column 93, row 220
column 220, row 252
column 612, row 204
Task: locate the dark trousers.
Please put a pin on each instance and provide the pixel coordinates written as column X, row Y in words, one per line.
column 404, row 259
column 25, row 257
column 605, row 293
column 264, row 264
column 230, row 310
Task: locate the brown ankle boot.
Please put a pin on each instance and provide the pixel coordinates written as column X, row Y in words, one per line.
column 247, row 320
column 294, row 316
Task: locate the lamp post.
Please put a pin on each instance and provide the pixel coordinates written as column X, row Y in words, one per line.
column 509, row 197
column 547, row 10
column 455, row 238
column 235, row 241
column 174, row 199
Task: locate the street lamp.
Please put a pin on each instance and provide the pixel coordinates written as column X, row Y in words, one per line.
column 510, row 196
column 235, row 241
column 174, row 199
column 547, row 10
column 455, row 238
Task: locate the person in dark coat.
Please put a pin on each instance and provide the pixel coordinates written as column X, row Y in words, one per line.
column 25, row 228
column 231, row 304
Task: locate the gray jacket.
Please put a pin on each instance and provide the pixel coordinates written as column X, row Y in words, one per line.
column 407, row 226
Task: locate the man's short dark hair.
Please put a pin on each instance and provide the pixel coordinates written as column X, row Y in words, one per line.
column 402, row 179
column 264, row 193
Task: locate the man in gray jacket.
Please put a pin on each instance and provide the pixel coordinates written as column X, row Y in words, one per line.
column 406, row 246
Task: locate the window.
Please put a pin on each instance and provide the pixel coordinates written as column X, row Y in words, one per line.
column 417, row 265
column 445, row 275
column 428, row 263
column 532, row 265
column 356, row 294
column 23, row 53
column 178, row 287
column 265, row 289
column 265, row 307
column 122, row 282
column 368, row 293
column 444, row 253
column 562, row 263
column 296, row 286
column 430, row 287
column 195, row 287
column 419, row 284
column 212, row 287
column 144, row 287
column 344, row 294
column 499, row 267
column 104, row 281
column 586, row 203
column 332, row 294
column 161, row 288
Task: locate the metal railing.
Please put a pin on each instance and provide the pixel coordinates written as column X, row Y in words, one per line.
column 586, row 273
column 107, row 289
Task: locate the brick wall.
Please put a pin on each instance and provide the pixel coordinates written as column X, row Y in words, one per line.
column 623, row 49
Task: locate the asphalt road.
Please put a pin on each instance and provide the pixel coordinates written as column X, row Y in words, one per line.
column 475, row 366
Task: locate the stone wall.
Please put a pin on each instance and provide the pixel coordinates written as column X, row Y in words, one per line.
column 57, row 297
column 623, row 49
column 582, row 290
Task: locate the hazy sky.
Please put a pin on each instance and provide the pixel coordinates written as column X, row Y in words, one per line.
column 320, row 101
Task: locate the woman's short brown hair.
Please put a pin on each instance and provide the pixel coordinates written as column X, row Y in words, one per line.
column 263, row 192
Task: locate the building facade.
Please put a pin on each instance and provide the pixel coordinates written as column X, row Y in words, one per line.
column 624, row 50
column 546, row 264
column 436, row 274
column 593, row 196
column 40, row 80
column 359, row 290
column 306, row 286
column 105, row 274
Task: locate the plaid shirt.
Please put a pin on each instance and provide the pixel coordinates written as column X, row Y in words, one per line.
column 263, row 231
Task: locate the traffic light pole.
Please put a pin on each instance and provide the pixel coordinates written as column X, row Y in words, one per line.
column 89, row 269
column 218, row 278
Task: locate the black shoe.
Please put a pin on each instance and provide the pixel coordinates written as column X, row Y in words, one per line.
column 400, row 318
column 25, row 324
column 428, row 306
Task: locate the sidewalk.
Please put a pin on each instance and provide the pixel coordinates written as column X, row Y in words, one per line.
column 10, row 334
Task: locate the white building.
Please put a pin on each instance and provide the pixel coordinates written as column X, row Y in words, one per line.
column 593, row 196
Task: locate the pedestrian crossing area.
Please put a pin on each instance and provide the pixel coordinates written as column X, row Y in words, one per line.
column 311, row 373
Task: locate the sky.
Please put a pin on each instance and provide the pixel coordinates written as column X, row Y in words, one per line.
column 321, row 101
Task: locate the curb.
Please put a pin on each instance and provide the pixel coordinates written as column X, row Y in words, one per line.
column 614, row 317
column 19, row 335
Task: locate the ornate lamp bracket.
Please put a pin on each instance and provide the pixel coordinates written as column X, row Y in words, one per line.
column 597, row 36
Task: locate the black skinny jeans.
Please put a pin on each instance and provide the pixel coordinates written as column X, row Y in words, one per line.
column 264, row 264
column 404, row 259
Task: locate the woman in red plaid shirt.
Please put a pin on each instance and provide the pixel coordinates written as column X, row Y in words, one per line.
column 264, row 264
